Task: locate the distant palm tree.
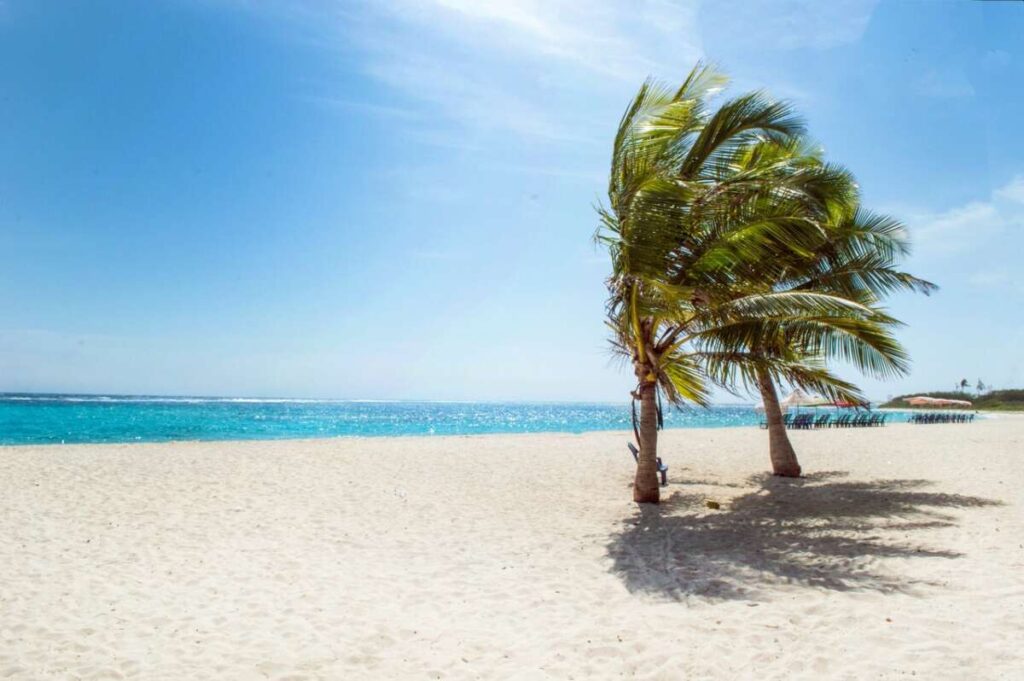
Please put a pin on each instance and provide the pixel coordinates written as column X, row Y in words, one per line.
column 693, row 216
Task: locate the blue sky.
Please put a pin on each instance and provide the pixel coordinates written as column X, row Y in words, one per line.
column 394, row 199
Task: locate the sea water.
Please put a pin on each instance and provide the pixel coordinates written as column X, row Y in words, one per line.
column 40, row 419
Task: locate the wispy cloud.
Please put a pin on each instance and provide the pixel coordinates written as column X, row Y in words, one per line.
column 602, row 36
column 511, row 68
column 519, row 68
column 963, row 227
column 997, row 279
column 1013, row 191
column 462, row 97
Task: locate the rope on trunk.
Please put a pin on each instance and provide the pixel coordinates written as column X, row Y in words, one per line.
column 660, row 411
column 661, row 415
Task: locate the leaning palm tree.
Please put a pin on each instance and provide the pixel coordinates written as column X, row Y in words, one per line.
column 700, row 202
column 857, row 261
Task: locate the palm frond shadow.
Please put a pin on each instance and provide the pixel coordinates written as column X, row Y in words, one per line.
column 817, row 532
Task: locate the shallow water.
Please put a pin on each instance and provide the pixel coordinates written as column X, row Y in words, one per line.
column 37, row 419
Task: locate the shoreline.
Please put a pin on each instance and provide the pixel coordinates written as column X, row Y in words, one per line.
column 367, row 438
column 414, row 436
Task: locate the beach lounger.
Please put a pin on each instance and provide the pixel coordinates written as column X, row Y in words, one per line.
column 802, row 421
column 662, row 468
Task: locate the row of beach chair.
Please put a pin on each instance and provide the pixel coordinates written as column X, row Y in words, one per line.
column 811, row 421
column 951, row 417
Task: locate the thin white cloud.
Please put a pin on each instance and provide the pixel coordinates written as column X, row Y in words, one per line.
column 997, row 279
column 1012, row 191
column 601, row 36
column 951, row 230
column 990, row 278
column 463, row 97
column 513, row 68
column 964, row 227
column 480, row 68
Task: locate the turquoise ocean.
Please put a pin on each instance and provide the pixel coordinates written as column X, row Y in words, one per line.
column 44, row 419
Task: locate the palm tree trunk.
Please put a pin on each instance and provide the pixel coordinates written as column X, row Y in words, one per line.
column 780, row 449
column 645, row 487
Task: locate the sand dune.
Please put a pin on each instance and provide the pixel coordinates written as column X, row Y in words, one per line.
column 900, row 555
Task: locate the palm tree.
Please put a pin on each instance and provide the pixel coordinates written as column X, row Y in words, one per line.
column 694, row 210
column 857, row 261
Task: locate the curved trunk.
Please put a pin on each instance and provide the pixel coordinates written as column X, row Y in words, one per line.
column 645, row 487
column 783, row 457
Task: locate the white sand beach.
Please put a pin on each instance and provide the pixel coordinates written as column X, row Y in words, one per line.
column 901, row 554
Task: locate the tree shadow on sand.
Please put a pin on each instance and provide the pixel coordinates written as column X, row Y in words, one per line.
column 819, row 531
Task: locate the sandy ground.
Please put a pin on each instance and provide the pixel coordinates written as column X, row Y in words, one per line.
column 901, row 554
